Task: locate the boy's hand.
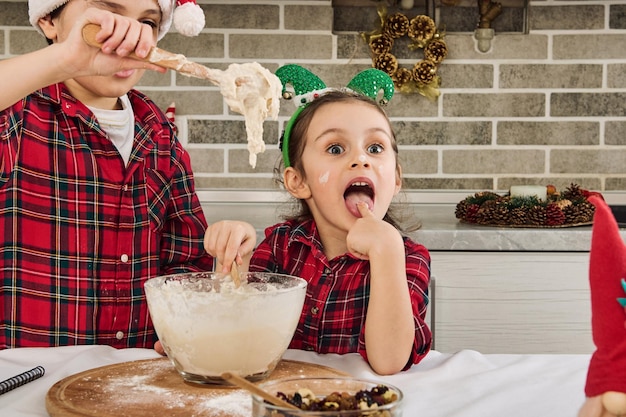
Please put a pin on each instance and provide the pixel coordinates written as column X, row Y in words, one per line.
column 230, row 241
column 119, row 35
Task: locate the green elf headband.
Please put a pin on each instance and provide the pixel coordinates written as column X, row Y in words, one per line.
column 308, row 86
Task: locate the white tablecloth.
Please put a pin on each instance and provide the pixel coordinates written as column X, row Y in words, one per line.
column 463, row 384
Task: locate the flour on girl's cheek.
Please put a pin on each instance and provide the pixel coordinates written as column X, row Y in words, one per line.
column 324, row 178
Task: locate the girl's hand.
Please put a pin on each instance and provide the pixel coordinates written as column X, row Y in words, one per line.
column 369, row 235
column 230, row 241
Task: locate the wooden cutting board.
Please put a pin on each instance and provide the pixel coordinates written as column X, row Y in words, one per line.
column 153, row 387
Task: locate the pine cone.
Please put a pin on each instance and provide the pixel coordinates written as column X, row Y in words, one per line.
column 501, row 214
column 436, row 51
column 402, row 76
column 396, row 25
column 579, row 213
column 518, row 216
column 536, row 215
column 554, row 215
column 485, row 213
column 387, row 63
column 563, row 203
column 424, row 71
column 471, row 212
column 573, row 192
column 461, row 209
column 381, row 44
column 422, row 28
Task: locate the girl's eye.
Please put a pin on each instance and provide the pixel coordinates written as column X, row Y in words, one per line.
column 335, row 149
column 376, row 148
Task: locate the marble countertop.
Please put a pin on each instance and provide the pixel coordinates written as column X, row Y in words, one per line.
column 440, row 230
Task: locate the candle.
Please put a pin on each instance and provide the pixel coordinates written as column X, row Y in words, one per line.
column 529, row 190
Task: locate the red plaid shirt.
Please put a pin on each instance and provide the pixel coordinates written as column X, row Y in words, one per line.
column 80, row 232
column 333, row 317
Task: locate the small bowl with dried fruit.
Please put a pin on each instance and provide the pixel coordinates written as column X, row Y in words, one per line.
column 326, row 397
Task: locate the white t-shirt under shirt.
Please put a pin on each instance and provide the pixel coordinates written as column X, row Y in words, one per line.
column 119, row 126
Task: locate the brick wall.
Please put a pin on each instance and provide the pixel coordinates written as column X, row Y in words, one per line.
column 543, row 107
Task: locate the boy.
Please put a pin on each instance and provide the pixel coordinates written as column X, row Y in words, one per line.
column 96, row 192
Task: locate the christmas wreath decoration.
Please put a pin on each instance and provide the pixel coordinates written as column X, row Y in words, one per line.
column 569, row 208
column 423, row 34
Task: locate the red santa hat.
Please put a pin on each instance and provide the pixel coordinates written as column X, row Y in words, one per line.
column 607, row 273
column 187, row 16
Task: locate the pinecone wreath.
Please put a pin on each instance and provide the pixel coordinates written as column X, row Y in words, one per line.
column 569, row 208
column 423, row 34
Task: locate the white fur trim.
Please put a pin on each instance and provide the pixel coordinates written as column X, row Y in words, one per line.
column 189, row 19
column 42, row 8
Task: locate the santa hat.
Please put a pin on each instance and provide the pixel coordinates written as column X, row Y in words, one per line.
column 607, row 273
column 187, row 16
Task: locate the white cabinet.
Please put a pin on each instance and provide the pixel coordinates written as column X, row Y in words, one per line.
column 511, row 302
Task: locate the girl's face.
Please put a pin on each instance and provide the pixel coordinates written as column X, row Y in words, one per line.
column 348, row 158
column 94, row 89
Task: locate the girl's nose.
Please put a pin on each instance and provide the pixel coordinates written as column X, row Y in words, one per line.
column 361, row 159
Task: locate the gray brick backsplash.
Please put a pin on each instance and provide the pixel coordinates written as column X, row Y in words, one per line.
column 417, row 161
column 492, row 161
column 505, row 183
column 205, row 45
column 207, row 160
column 241, row 183
column 504, row 46
column 615, row 133
column 548, row 133
column 227, row 132
column 494, row 105
column 308, row 17
column 588, row 104
column 551, row 76
column 570, row 17
column 589, row 46
column 443, row 133
column 14, row 14
column 466, row 75
column 614, row 184
column 281, row 46
column 617, row 16
column 573, row 161
column 188, row 102
column 24, row 41
column 537, row 108
column 444, row 183
column 241, row 16
column 616, row 75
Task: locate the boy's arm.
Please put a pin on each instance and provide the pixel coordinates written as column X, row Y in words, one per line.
column 72, row 57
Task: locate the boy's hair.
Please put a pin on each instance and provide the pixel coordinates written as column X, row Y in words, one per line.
column 297, row 142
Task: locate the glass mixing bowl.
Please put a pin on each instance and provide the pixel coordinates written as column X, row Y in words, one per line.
column 209, row 326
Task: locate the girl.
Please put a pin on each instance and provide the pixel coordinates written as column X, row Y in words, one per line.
column 367, row 283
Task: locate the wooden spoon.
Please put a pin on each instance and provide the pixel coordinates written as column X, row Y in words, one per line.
column 234, row 273
column 160, row 57
column 254, row 389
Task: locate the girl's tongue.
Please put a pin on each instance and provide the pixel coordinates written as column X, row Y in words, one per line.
column 353, row 197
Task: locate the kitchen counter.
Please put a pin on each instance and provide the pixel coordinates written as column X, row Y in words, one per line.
column 440, row 230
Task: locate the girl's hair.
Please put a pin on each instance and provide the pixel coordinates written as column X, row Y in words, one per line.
column 297, row 142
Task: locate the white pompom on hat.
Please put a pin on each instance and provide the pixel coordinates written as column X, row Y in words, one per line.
column 187, row 16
